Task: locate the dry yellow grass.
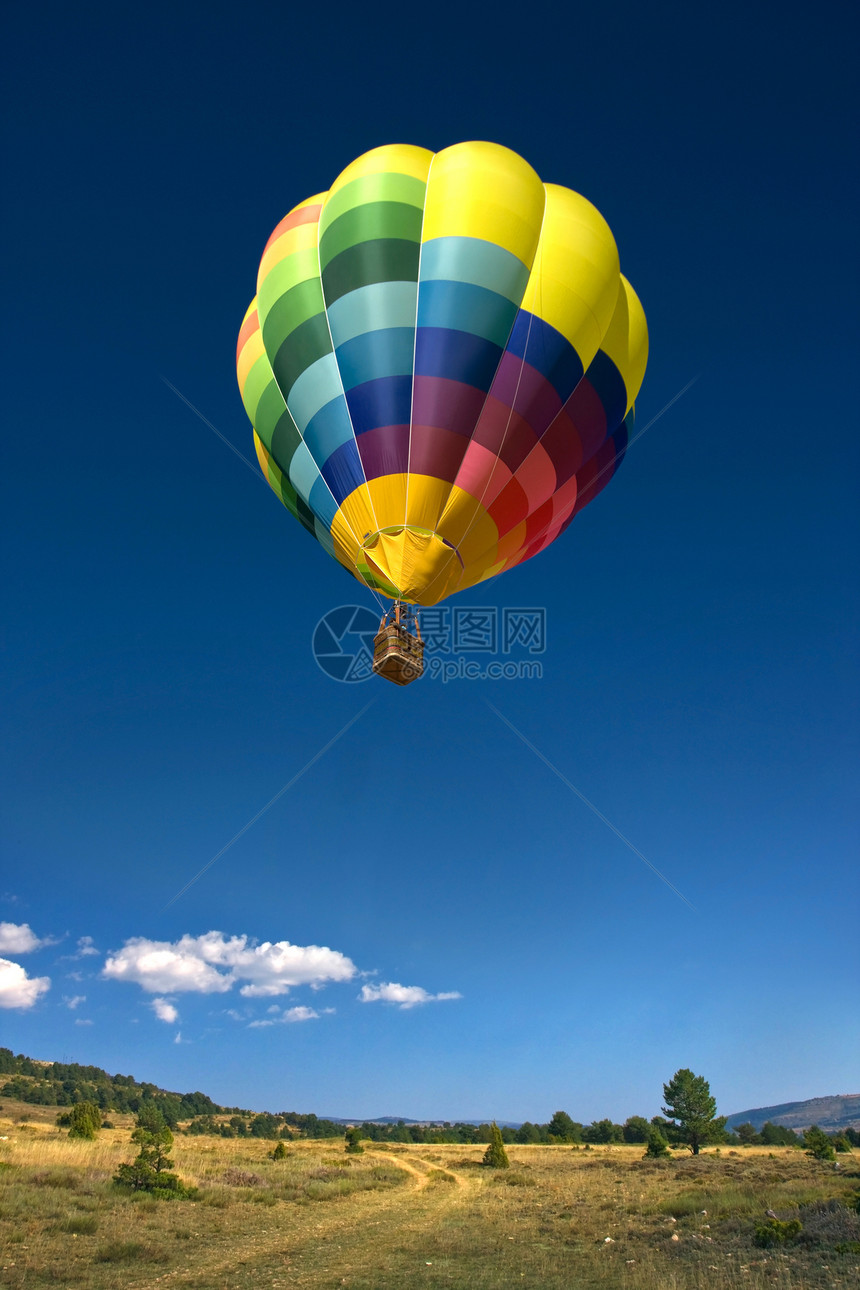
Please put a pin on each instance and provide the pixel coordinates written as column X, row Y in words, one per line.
column 414, row 1216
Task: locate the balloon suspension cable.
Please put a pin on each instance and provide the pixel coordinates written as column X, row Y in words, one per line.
column 404, row 615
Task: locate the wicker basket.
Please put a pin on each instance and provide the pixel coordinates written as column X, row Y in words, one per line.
column 398, row 655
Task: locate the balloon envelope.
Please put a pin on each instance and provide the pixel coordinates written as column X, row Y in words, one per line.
column 440, row 365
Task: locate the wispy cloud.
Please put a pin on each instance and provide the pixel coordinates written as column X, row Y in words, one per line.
column 17, row 989
column 214, row 963
column 404, row 996
column 289, row 1016
column 86, row 948
column 75, row 1001
column 165, row 1011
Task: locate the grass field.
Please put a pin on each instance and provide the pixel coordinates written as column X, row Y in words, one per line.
column 415, row 1217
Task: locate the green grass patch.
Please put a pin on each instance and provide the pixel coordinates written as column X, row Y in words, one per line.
column 78, row 1225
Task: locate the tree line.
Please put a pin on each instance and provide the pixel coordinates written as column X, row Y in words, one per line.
column 689, row 1117
column 66, row 1084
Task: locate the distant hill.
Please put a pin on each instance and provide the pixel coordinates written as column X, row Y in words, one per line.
column 404, row 1119
column 842, row 1111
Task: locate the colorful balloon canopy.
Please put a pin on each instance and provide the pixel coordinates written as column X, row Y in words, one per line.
column 440, row 365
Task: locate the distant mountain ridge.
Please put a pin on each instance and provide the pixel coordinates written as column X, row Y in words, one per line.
column 841, row 1111
column 60, row 1084
column 404, row 1119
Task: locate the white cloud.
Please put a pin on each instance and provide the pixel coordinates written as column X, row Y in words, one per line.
column 214, row 963
column 19, row 938
column 405, row 996
column 75, row 1000
column 165, row 1011
column 178, row 1039
column 290, row 1015
column 17, row 990
column 82, row 1021
column 159, row 967
column 85, row 947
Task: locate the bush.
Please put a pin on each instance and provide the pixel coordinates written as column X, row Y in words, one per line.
column 151, row 1171
column 120, row 1252
column 817, row 1144
column 240, row 1178
column 353, row 1142
column 773, row 1231
column 85, row 1120
column 658, row 1147
column 495, row 1157
column 280, row 1152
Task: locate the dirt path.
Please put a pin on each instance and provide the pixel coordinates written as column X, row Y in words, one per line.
column 335, row 1243
column 427, row 1173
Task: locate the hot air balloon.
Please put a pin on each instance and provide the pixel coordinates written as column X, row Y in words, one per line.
column 440, row 365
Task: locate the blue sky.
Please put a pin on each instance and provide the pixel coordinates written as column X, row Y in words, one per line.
column 698, row 683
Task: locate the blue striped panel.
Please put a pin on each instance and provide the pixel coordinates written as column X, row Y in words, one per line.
column 323, row 536
column 322, row 503
column 470, row 259
column 328, row 429
column 303, row 472
column 343, row 471
column 317, row 386
column 455, row 355
column 610, row 388
column 378, row 305
column 387, row 352
column 474, row 309
column 385, row 402
column 547, row 351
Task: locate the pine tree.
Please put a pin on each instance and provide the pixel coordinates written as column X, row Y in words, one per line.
column 85, row 1120
column 353, row 1142
column 495, row 1157
column 690, row 1105
column 658, row 1147
column 151, row 1170
column 817, row 1144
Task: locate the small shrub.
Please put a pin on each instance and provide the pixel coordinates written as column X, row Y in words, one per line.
column 55, row 1178
column 280, row 1152
column 818, row 1145
column 495, row 1157
column 440, row 1176
column 85, row 1120
column 240, row 1178
column 658, row 1147
column 82, row 1225
column 150, row 1171
column 353, row 1142
column 828, row 1222
column 120, row 1252
column 773, row 1231
column 160, row 1185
